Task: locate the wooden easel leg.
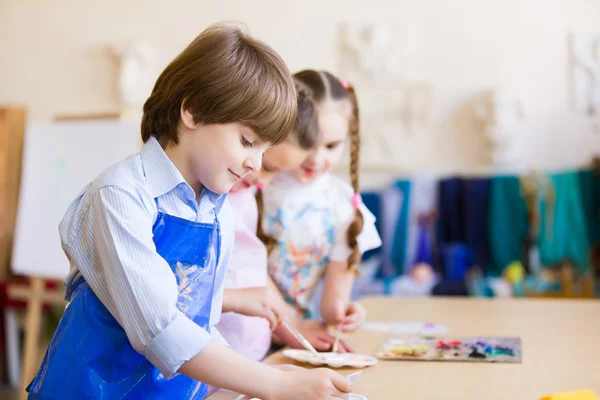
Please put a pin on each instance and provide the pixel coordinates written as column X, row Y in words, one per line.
column 32, row 334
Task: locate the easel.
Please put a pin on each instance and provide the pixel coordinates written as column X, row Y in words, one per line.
column 36, row 294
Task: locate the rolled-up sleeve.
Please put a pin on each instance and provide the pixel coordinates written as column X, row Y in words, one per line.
column 116, row 254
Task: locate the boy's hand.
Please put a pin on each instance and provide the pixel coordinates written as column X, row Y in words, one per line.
column 316, row 384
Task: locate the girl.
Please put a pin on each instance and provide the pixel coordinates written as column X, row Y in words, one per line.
column 320, row 222
column 247, row 271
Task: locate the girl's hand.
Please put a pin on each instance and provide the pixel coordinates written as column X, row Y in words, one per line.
column 354, row 316
column 255, row 302
column 316, row 333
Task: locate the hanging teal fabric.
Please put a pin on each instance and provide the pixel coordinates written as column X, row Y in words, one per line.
column 563, row 233
column 589, row 186
column 508, row 223
column 398, row 255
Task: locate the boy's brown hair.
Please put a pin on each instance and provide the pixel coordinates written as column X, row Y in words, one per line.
column 223, row 76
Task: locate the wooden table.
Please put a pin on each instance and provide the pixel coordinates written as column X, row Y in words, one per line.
column 561, row 350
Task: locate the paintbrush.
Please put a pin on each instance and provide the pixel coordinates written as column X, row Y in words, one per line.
column 353, row 377
column 303, row 340
column 337, row 339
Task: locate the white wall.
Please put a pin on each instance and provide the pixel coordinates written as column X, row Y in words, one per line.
column 53, row 57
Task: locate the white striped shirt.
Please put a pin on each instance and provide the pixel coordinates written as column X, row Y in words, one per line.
column 106, row 234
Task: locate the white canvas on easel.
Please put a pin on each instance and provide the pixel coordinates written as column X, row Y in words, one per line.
column 59, row 160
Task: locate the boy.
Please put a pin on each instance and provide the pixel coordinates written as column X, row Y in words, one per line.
column 150, row 238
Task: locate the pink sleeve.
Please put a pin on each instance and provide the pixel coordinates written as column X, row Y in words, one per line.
column 248, row 263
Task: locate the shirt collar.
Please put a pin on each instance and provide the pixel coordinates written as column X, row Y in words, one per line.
column 161, row 174
column 216, row 200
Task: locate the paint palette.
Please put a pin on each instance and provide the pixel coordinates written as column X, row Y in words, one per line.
column 471, row 349
column 334, row 360
column 406, row 328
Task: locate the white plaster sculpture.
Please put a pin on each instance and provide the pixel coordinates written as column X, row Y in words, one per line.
column 374, row 49
column 502, row 116
column 137, row 75
column 585, row 72
column 376, row 57
column 390, row 116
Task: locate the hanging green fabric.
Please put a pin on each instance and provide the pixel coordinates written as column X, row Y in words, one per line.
column 508, row 223
column 563, row 233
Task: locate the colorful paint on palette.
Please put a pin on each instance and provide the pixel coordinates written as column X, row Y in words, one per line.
column 475, row 349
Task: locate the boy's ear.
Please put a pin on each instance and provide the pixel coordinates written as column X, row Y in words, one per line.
column 187, row 118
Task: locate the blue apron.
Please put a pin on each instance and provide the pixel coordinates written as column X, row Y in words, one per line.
column 90, row 355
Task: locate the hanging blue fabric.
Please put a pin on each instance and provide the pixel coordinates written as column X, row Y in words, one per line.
column 463, row 208
column 424, row 247
column 450, row 222
column 457, row 259
column 90, row 355
column 398, row 255
column 476, row 204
